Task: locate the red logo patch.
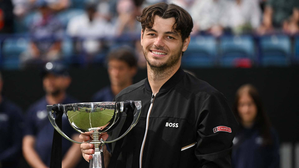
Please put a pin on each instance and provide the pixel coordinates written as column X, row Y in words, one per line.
column 222, row 129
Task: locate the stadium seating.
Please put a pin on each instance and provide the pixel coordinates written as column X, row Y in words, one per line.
column 236, row 48
column 78, row 4
column 12, row 49
column 275, row 50
column 22, row 24
column 201, row 52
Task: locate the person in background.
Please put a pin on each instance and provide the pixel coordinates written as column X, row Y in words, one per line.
column 256, row 143
column 126, row 23
column 88, row 29
column 244, row 16
column 11, row 123
column 210, row 16
column 37, row 141
column 122, row 67
column 46, row 36
column 279, row 14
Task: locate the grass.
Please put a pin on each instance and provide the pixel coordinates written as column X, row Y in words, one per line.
column 84, row 119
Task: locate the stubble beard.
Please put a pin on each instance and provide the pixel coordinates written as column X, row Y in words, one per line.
column 162, row 67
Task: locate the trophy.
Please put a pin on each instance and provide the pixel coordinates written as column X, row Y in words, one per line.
column 99, row 118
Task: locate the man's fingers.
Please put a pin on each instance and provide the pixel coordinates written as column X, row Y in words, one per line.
column 104, row 136
column 87, row 151
column 84, row 137
column 87, row 157
column 85, row 146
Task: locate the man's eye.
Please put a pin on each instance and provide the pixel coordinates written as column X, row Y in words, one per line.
column 151, row 34
column 169, row 37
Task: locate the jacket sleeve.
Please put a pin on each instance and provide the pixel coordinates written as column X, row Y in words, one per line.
column 216, row 127
column 14, row 151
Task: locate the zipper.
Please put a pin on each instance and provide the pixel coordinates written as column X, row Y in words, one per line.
column 146, row 129
column 188, row 146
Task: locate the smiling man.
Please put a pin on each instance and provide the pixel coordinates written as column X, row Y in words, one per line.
column 185, row 122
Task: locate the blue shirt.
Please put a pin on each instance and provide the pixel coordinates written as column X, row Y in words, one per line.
column 104, row 94
column 39, row 126
column 11, row 123
column 46, row 31
column 248, row 151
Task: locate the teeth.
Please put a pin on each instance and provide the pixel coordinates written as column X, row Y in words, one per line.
column 158, row 53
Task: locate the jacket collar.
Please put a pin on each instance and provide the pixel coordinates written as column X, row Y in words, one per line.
column 168, row 84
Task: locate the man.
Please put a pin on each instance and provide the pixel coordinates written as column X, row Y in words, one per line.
column 37, row 141
column 87, row 29
column 122, row 67
column 46, row 34
column 185, row 122
column 278, row 14
column 11, row 122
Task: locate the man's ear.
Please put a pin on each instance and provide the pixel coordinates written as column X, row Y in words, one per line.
column 186, row 43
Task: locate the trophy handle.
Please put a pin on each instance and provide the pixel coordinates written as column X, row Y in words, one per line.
column 137, row 110
column 52, row 120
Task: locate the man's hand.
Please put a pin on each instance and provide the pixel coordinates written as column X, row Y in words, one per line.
column 87, row 149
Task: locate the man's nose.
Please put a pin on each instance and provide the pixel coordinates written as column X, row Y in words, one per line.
column 159, row 42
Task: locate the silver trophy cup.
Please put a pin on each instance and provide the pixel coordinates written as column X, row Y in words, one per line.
column 98, row 117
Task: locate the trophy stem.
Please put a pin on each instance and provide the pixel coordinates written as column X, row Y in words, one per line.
column 97, row 160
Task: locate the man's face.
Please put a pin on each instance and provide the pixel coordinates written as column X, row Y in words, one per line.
column 162, row 46
column 120, row 73
column 54, row 85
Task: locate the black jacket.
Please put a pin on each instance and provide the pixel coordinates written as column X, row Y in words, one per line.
column 189, row 124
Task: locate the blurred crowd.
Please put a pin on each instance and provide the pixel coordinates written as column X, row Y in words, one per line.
column 96, row 26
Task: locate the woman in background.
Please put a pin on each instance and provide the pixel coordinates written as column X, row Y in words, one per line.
column 256, row 144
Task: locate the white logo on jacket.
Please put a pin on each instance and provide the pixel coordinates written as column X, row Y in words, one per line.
column 172, row 125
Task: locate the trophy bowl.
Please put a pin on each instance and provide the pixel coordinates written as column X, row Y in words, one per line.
column 97, row 117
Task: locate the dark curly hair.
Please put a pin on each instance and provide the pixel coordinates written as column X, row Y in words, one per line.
column 183, row 21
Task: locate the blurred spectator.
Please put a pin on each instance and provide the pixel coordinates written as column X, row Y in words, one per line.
column 87, row 29
column 126, row 23
column 291, row 25
column 127, row 27
column 57, row 5
column 6, row 17
column 277, row 15
column 256, row 144
column 46, row 38
column 37, row 142
column 186, row 4
column 11, row 123
column 107, row 9
column 210, row 16
column 22, row 7
column 244, row 16
column 122, row 67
